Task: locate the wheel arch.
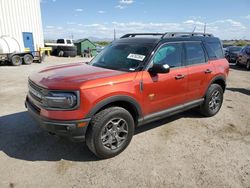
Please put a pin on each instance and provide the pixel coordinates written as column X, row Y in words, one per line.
column 220, row 80
column 126, row 102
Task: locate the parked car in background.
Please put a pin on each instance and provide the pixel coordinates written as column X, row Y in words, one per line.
column 99, row 48
column 63, row 48
column 244, row 57
column 231, row 53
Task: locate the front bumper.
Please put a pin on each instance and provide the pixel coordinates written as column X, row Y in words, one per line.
column 68, row 129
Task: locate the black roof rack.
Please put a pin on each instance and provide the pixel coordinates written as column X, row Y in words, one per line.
column 141, row 34
column 168, row 34
column 182, row 34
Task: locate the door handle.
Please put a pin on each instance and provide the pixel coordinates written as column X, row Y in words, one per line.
column 179, row 76
column 208, row 71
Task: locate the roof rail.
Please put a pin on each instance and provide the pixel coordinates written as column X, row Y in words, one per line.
column 175, row 34
column 142, row 34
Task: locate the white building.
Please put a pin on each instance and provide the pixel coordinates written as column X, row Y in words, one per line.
column 22, row 20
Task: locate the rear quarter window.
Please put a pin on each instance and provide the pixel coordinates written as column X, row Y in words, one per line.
column 214, row 50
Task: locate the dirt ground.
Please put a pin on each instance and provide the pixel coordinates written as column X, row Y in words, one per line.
column 186, row 150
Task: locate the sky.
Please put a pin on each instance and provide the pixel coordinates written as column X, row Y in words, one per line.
column 227, row 19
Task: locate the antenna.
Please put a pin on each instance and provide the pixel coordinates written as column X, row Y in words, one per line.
column 205, row 27
column 194, row 29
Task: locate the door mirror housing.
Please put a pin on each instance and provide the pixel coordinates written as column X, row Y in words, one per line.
column 159, row 69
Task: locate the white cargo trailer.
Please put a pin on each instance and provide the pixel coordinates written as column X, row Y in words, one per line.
column 20, row 29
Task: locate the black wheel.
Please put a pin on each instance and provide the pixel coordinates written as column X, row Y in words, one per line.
column 70, row 53
column 28, row 59
column 60, row 53
column 213, row 101
column 248, row 65
column 110, row 132
column 16, row 60
column 236, row 63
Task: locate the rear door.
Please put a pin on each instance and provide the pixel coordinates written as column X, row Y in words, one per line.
column 199, row 70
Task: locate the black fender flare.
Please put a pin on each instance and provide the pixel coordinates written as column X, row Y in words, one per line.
column 117, row 98
column 220, row 77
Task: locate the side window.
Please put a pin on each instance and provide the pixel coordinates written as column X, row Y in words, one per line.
column 214, row 50
column 194, row 53
column 60, row 41
column 169, row 54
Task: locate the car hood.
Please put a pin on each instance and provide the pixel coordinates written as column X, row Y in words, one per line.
column 71, row 76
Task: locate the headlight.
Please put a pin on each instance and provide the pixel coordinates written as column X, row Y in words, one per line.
column 61, row 100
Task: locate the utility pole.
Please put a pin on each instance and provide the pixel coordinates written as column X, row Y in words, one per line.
column 114, row 34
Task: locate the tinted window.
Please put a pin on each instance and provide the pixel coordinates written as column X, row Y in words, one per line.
column 214, row 50
column 194, row 53
column 169, row 54
column 68, row 41
column 234, row 49
column 61, row 41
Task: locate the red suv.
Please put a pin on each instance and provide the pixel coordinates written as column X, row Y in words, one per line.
column 135, row 80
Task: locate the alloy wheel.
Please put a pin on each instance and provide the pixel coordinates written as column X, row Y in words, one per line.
column 215, row 101
column 114, row 133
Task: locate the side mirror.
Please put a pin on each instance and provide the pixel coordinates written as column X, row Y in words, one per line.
column 159, row 68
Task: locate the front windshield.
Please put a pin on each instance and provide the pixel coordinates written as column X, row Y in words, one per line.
column 235, row 49
column 122, row 56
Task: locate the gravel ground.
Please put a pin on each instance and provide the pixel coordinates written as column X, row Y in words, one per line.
column 186, row 150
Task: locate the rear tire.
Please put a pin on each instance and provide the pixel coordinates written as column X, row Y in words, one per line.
column 28, row 59
column 110, row 132
column 248, row 65
column 213, row 101
column 60, row 53
column 16, row 60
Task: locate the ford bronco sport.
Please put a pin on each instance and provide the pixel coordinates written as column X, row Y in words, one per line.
column 137, row 79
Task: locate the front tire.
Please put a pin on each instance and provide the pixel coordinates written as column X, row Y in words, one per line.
column 110, row 132
column 213, row 100
column 16, row 60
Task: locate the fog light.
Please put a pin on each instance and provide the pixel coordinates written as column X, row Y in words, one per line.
column 82, row 124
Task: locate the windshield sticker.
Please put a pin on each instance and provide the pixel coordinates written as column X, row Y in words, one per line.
column 136, row 57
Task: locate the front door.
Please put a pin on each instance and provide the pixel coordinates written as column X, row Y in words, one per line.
column 163, row 91
column 28, row 41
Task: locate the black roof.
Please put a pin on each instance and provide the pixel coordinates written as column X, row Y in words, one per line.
column 155, row 38
column 139, row 40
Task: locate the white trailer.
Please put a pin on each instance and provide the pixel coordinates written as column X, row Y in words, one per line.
column 10, row 52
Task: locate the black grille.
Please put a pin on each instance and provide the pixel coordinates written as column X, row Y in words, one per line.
column 37, row 89
column 35, row 108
